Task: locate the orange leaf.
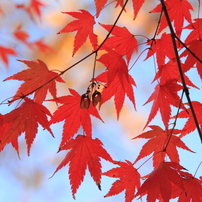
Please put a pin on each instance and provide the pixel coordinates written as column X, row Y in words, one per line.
column 84, row 151
column 36, row 80
column 129, row 180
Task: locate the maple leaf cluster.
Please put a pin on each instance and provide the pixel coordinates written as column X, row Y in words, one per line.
column 173, row 57
column 19, row 33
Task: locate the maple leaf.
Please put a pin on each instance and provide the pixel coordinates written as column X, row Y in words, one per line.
column 116, row 65
column 190, row 124
column 21, row 35
column 195, row 47
column 36, row 80
column 26, row 119
column 84, row 28
column 137, row 4
column 178, row 11
column 158, row 138
column 123, row 42
column 192, row 186
column 129, row 179
column 84, row 151
column 99, row 6
column 73, row 115
column 159, row 183
column 35, row 8
column 170, row 71
column 117, row 90
column 196, row 33
column 42, row 46
column 5, row 52
column 164, row 96
column 162, row 48
column 3, row 130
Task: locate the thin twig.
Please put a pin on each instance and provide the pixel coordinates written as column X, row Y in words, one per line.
column 174, row 124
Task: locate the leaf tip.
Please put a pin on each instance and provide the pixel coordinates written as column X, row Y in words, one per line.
column 59, row 150
column 99, row 186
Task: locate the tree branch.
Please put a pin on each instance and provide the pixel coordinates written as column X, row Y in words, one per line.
column 173, row 36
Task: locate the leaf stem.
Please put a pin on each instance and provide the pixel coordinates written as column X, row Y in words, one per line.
column 174, row 124
column 197, row 168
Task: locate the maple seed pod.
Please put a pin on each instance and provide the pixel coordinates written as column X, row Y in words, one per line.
column 96, row 97
column 85, row 101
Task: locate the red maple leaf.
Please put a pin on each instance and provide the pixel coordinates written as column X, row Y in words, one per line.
column 99, row 4
column 116, row 65
column 190, row 124
column 84, row 28
column 196, row 32
column 5, row 52
column 73, row 115
column 195, row 47
column 3, row 130
column 42, row 46
column 117, row 90
column 178, row 11
column 36, row 80
column 21, row 35
column 129, row 180
column 35, row 8
column 192, row 186
column 84, row 151
column 137, row 4
column 162, row 48
column 25, row 119
column 159, row 183
column 170, row 71
column 158, row 138
column 123, row 42
column 164, row 96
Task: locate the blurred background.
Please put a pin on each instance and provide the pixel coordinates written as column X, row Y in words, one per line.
column 27, row 179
